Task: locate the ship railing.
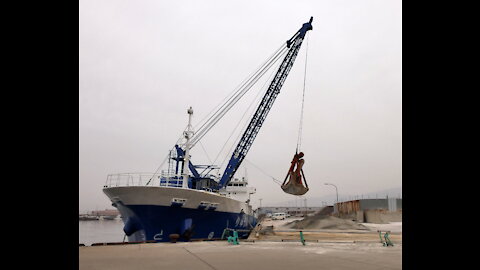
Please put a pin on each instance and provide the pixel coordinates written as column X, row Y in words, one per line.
column 143, row 179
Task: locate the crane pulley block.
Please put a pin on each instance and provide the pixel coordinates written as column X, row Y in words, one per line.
column 295, row 185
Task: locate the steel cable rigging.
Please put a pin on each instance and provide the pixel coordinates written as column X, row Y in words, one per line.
column 289, row 53
column 243, row 89
column 300, row 129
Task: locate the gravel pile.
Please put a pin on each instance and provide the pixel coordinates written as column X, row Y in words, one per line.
column 268, row 230
column 319, row 222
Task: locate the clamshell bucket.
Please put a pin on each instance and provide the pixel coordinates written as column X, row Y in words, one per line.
column 295, row 185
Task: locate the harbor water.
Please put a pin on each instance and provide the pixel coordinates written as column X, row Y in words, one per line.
column 100, row 231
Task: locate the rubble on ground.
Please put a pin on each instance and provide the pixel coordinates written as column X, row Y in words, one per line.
column 320, row 221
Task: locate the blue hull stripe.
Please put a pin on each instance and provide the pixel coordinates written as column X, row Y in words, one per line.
column 158, row 222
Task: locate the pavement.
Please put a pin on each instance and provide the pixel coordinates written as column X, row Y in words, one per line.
column 220, row 255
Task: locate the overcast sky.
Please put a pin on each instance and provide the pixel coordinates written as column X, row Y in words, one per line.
column 143, row 63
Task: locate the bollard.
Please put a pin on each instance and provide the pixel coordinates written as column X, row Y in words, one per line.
column 388, row 242
column 233, row 239
column 173, row 237
column 301, row 238
column 380, row 234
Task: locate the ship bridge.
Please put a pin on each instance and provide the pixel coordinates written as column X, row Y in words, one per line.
column 237, row 189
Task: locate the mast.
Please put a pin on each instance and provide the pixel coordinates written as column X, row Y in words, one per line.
column 188, row 133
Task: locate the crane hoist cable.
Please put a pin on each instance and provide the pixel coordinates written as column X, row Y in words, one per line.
column 232, row 101
column 203, row 122
column 255, row 101
column 247, row 85
column 155, row 173
column 300, row 129
column 234, row 97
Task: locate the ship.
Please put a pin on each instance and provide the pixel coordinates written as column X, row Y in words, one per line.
column 187, row 201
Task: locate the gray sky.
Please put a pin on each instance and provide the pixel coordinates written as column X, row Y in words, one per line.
column 143, row 63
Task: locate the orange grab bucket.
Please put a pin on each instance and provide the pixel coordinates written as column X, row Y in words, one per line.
column 294, row 185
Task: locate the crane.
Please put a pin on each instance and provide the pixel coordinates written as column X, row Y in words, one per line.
column 246, row 141
column 199, row 180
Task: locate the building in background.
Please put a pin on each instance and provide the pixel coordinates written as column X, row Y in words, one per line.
column 293, row 211
column 106, row 212
column 371, row 210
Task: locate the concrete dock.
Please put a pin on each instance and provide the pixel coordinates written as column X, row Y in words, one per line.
column 324, row 249
column 221, row 255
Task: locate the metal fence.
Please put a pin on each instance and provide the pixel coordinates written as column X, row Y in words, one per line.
column 143, row 179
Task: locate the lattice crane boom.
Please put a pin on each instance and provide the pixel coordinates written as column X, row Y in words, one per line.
column 246, row 141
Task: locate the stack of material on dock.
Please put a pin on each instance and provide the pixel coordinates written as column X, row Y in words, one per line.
column 319, row 221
